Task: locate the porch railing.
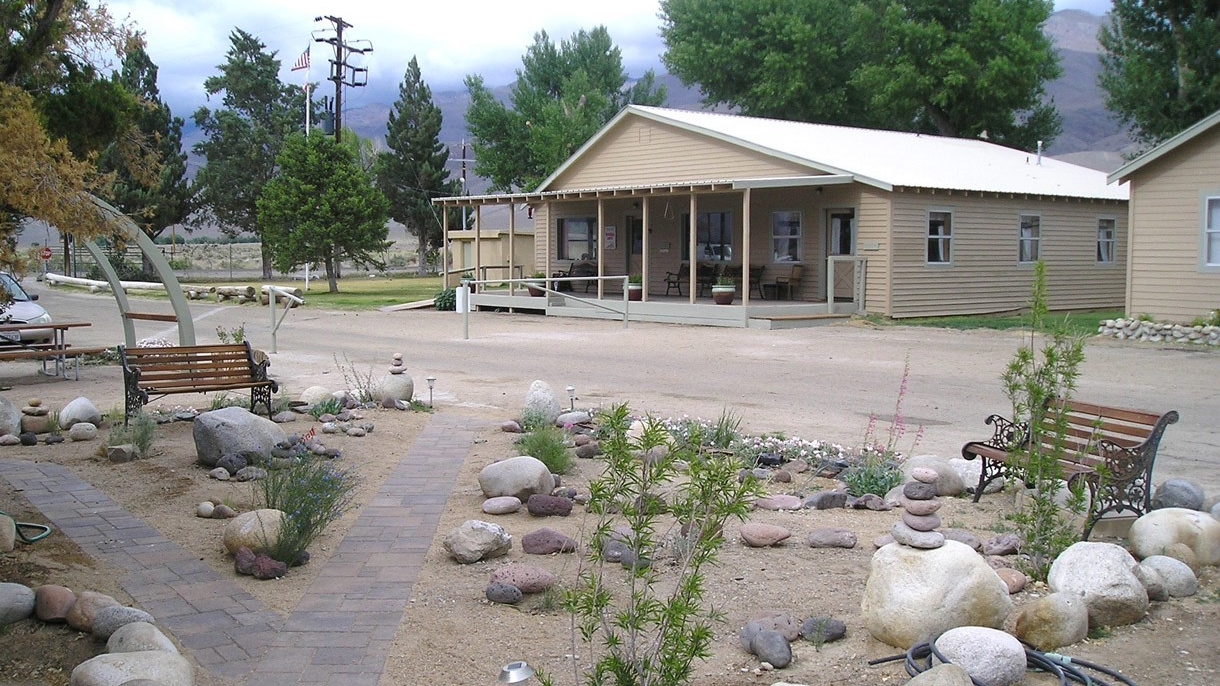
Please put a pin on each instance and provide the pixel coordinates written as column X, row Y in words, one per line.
column 463, row 295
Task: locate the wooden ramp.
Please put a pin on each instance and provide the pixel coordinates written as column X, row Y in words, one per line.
column 417, row 305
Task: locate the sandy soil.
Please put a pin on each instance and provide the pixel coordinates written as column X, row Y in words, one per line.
column 467, row 639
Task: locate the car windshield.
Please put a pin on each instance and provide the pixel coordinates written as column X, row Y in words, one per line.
column 13, row 288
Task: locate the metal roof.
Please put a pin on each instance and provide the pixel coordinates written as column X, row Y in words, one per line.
column 884, row 159
column 1124, row 172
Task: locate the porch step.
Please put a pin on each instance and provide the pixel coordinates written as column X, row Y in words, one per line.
column 795, row 321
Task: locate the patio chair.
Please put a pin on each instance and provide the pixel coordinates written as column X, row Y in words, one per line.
column 756, row 277
column 705, row 275
column 674, row 279
column 785, row 286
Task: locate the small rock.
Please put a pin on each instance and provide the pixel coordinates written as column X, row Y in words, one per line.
column 205, row 510
column 782, row 476
column 925, row 540
column 917, row 490
column 963, row 536
column 53, row 439
column 284, row 417
column 356, row 432
column 223, row 511
column 117, row 453
column 1002, row 544
column 267, row 568
column 871, row 501
column 588, row 451
column 511, row 427
column 759, row 535
column 547, row 541
column 542, row 505
column 52, row 603
column 220, row 474
column 921, row 508
column 528, row 578
column 504, row 504
column 831, row 538
column 823, row 629
column 86, row 607
column 826, row 500
column 921, row 523
column 1013, row 579
column 82, row 431
column 778, row 502
column 9, row 439
column 924, row 475
column 110, row 619
column 771, row 647
column 505, row 594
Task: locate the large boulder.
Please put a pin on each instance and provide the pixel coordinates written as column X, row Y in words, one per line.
column 948, row 481
column 1053, row 621
column 10, row 417
column 138, row 636
column 520, row 477
column 476, row 540
column 110, row 669
column 1103, row 575
column 88, row 604
column 395, row 387
column 315, row 395
column 913, row 595
column 988, row 655
column 1166, row 577
column 77, row 411
column 541, row 406
column 1155, row 532
column 255, row 530
column 1178, row 493
column 16, row 602
column 234, row 430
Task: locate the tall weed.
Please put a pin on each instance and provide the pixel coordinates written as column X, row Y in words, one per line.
column 312, row 493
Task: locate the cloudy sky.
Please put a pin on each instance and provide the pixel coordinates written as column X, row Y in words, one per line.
column 451, row 38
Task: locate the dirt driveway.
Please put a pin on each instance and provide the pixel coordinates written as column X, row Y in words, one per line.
column 818, row 383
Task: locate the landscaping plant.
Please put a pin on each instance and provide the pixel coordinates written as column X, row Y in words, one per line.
column 138, row 432
column 876, row 467
column 1032, row 380
column 645, row 622
column 312, row 493
column 547, row 444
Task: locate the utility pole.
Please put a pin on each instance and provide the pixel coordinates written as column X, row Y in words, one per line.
column 339, row 67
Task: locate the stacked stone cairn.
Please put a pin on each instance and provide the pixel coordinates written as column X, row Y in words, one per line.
column 919, row 519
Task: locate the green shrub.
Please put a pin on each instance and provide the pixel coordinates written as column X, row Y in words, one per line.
column 328, row 406
column 446, row 300
column 875, row 471
column 652, row 627
column 138, row 432
column 696, row 433
column 534, row 419
column 312, row 493
column 547, row 444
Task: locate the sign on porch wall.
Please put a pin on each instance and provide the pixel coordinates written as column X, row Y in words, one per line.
column 611, row 237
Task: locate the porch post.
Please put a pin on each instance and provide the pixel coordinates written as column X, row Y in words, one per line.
column 691, row 243
column 646, row 229
column 478, row 248
column 546, row 243
column 745, row 246
column 444, row 247
column 512, row 245
column 601, row 247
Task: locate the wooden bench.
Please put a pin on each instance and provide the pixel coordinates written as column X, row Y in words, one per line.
column 1110, row 449
column 150, row 373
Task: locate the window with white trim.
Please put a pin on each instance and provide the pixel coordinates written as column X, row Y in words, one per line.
column 785, row 236
column 1107, row 241
column 1211, row 233
column 1028, row 238
column 940, row 237
column 577, row 238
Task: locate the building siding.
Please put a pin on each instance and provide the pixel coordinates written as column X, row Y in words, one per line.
column 984, row 274
column 641, row 152
column 1166, row 281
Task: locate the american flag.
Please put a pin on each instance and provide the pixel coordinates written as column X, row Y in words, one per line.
column 302, row 61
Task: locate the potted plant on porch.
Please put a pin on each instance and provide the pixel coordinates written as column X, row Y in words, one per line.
column 635, row 287
column 536, row 284
column 724, row 290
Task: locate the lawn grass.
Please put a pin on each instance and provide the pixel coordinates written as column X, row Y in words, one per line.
column 1080, row 323
column 367, row 293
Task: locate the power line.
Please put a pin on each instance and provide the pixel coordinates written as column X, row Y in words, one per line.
column 341, row 72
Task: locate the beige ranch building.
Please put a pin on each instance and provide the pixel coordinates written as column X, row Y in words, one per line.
column 1173, row 270
column 817, row 219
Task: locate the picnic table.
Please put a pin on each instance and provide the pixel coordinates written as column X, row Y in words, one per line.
column 58, row 350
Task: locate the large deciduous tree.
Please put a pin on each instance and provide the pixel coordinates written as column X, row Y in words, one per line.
column 1161, row 65
column 951, row 67
column 412, row 172
column 56, row 112
column 244, row 136
column 562, row 96
column 321, row 207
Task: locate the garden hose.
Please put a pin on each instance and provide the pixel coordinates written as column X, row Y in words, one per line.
column 918, row 659
column 42, row 530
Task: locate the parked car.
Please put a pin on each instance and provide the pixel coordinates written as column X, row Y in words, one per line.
column 21, row 309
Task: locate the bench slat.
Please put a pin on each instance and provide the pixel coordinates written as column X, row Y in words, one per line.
column 1127, row 415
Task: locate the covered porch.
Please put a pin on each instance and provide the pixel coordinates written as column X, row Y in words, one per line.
column 787, row 244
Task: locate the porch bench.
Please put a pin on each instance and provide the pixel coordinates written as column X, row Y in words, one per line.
column 1108, row 450
column 150, row 373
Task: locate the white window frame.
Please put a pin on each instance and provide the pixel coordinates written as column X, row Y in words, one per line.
column 1029, row 245
column 787, row 256
column 1111, row 242
column 945, row 239
column 564, row 243
column 1209, row 235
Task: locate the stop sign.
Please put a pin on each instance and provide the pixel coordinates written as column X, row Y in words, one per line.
column 45, row 254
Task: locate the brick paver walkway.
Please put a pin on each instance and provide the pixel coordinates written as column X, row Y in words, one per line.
column 343, row 626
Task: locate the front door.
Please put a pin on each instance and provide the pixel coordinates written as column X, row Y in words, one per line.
column 842, row 234
column 635, row 244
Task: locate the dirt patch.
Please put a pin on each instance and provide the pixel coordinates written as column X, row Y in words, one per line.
column 455, row 636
